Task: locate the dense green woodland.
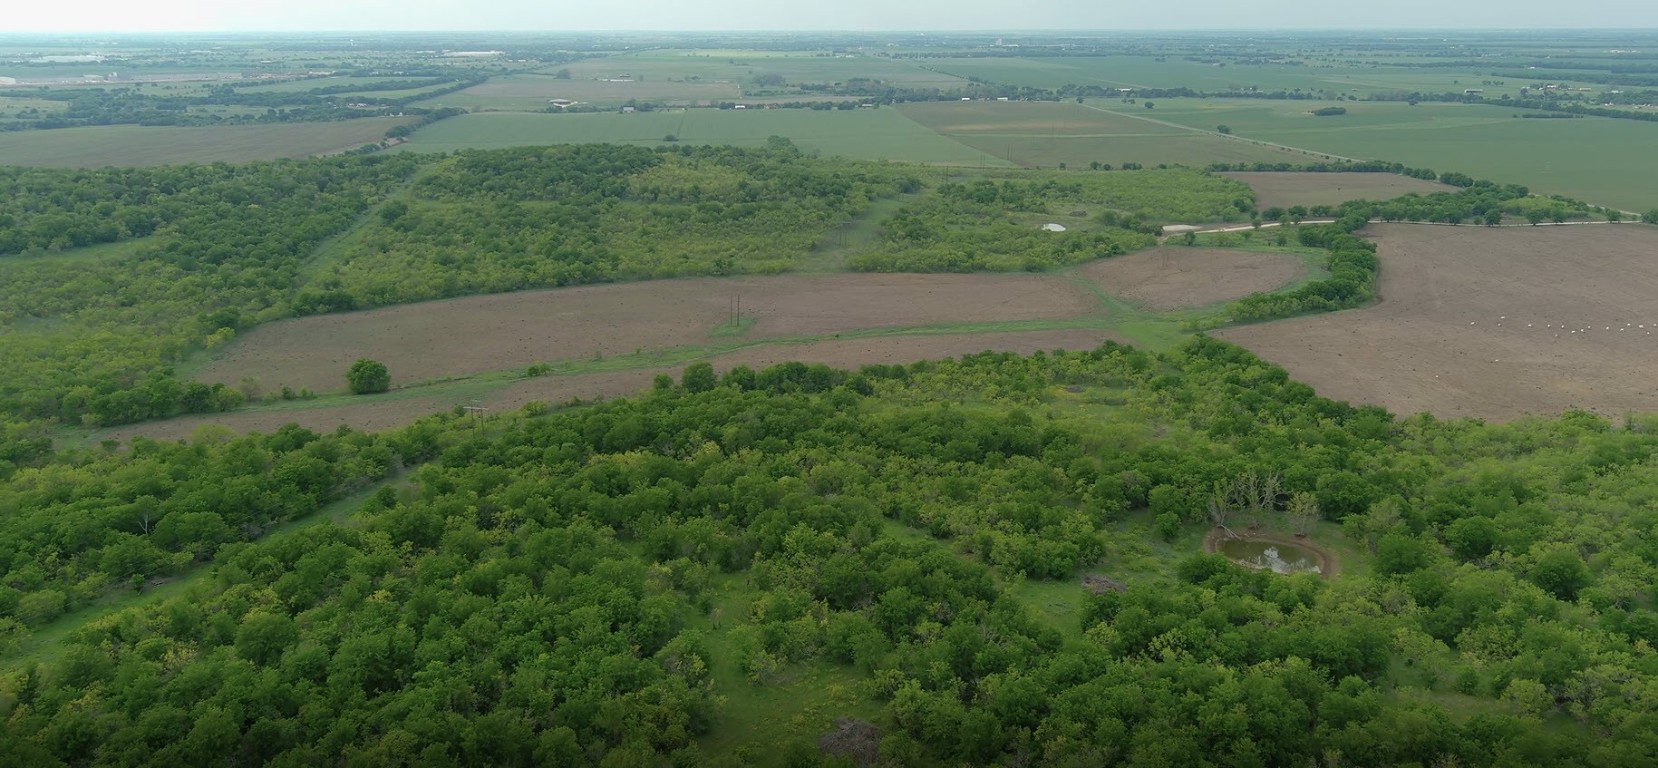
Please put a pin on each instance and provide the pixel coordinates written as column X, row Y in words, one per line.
column 612, row 584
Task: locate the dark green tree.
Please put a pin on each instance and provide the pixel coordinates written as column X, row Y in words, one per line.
column 367, row 377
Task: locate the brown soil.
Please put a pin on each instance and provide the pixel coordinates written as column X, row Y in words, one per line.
column 1286, row 189
column 1329, row 566
column 371, row 414
column 434, row 340
column 1173, row 278
column 1478, row 322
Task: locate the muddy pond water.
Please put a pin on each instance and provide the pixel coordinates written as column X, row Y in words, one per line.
column 1274, row 556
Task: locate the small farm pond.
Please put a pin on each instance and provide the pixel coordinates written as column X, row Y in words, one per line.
column 1274, row 556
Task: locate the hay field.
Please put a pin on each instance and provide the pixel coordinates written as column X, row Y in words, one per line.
column 135, row 145
column 1488, row 323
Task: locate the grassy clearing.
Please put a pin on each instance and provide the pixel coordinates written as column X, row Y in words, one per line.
column 758, row 720
column 90, row 254
column 869, row 134
column 1602, row 160
column 135, row 145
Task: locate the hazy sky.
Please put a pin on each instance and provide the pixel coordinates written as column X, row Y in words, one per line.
column 692, row 15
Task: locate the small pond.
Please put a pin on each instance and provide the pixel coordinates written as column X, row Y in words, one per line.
column 1274, row 556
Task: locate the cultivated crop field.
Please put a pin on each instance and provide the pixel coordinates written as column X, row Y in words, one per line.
column 491, row 333
column 1283, row 190
column 531, row 92
column 1601, row 160
column 399, row 408
column 1331, row 76
column 1488, row 323
column 611, row 340
column 745, row 66
column 867, row 134
column 1046, row 134
column 134, row 145
column 1173, row 278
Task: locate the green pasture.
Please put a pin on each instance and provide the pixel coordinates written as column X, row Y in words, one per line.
column 1600, row 160
column 531, row 92
column 1047, row 134
column 1331, row 77
column 870, row 134
column 794, row 66
column 135, row 145
column 305, row 84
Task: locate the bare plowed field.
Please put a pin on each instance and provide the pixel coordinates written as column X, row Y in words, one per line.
column 430, row 341
column 1166, row 279
column 373, row 414
column 1286, row 189
column 1489, row 323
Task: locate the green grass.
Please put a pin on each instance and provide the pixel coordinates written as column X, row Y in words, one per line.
column 312, row 83
column 1600, row 160
column 1037, row 134
column 869, row 134
column 1332, row 76
column 758, row 721
column 135, row 145
column 92, row 253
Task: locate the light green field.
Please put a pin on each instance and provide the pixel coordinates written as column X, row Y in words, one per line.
column 793, row 66
column 870, row 134
column 134, row 145
column 1600, row 160
column 1177, row 72
column 1046, row 134
column 522, row 93
column 312, row 83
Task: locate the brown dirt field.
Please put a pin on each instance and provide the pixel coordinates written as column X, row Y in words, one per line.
column 459, row 337
column 1286, row 189
column 1464, row 324
column 372, row 414
column 1172, row 278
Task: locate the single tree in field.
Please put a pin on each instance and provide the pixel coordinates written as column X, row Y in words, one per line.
column 367, row 377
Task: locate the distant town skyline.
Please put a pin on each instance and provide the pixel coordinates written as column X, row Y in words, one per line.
column 99, row 16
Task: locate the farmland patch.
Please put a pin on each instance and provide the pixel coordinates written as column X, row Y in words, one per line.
column 1488, row 323
column 1174, row 278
